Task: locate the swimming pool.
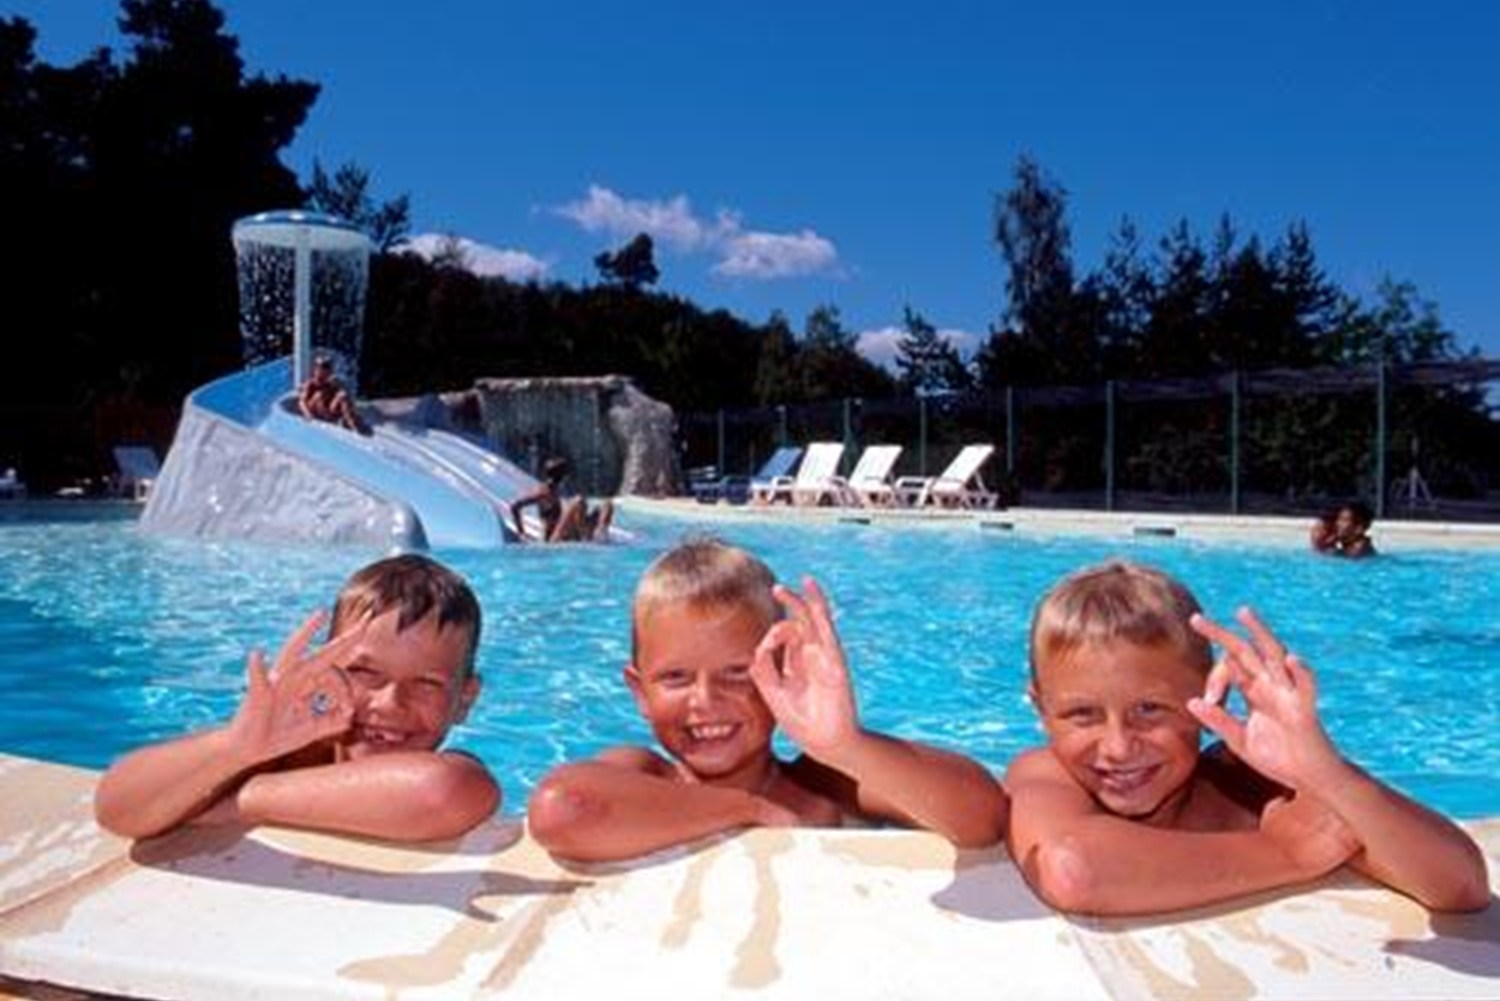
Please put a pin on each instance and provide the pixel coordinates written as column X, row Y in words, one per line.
column 109, row 639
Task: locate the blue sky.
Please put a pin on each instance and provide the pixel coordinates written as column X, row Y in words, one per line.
column 787, row 154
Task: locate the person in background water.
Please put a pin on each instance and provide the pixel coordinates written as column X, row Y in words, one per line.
column 1344, row 531
column 564, row 518
column 1323, row 536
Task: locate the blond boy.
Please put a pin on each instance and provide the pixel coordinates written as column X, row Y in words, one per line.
column 1120, row 813
column 342, row 739
column 722, row 655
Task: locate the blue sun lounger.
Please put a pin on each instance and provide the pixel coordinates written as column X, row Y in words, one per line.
column 737, row 489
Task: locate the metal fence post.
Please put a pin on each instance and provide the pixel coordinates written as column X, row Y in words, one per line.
column 722, row 470
column 1380, row 432
column 848, row 426
column 1010, row 430
column 921, row 435
column 1109, row 445
column 1234, row 442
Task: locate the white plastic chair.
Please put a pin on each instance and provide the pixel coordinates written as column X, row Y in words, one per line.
column 957, row 486
column 814, row 479
column 869, row 483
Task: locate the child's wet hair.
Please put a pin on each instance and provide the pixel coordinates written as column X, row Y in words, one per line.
column 416, row 585
column 1117, row 602
column 704, row 572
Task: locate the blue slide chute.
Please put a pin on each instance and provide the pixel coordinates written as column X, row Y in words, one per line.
column 458, row 490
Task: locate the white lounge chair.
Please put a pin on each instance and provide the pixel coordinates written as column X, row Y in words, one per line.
column 869, row 484
column 957, row 486
column 814, row 479
column 139, row 469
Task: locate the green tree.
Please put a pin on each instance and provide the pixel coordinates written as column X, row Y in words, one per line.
column 347, row 194
column 829, row 366
column 133, row 172
column 776, row 366
column 928, row 363
column 1032, row 233
column 632, row 266
column 1047, row 333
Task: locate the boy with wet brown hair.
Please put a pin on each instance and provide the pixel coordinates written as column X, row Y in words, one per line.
column 344, row 738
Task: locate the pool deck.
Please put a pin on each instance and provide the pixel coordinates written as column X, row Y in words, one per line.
column 272, row 913
column 1390, row 534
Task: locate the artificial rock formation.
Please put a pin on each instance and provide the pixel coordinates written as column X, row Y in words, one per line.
column 617, row 439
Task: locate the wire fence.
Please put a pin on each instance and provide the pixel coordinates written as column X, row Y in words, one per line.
column 1417, row 440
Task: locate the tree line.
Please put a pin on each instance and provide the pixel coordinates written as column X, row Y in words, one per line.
column 124, row 173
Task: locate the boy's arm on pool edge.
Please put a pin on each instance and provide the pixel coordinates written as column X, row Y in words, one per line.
column 913, row 784
column 398, row 796
column 154, row 789
column 1404, row 845
column 1079, row 858
column 626, row 803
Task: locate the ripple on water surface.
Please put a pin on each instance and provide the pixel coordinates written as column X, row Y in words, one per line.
column 109, row 639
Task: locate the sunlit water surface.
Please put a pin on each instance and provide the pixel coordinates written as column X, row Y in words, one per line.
column 110, row 639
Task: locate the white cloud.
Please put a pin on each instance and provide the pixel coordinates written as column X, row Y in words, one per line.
column 775, row 255
column 879, row 345
column 672, row 222
column 479, row 258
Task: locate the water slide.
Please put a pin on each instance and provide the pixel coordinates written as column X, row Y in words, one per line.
column 457, row 492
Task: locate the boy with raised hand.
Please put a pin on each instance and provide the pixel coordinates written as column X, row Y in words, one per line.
column 343, row 739
column 1120, row 813
column 721, row 655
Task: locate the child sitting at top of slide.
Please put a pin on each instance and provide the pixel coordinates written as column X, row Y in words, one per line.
column 721, row 655
column 1120, row 813
column 343, row 739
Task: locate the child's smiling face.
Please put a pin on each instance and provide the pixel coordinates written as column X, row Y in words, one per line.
column 409, row 686
column 1116, row 719
column 691, row 680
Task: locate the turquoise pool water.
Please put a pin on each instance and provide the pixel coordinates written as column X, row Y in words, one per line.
column 109, row 639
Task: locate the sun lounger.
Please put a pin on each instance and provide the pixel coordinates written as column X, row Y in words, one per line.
column 957, row 486
column 710, row 488
column 869, row 484
column 814, row 479
column 139, row 469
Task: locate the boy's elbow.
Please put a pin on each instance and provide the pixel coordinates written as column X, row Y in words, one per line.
column 985, row 828
column 112, row 814
column 452, row 802
column 111, row 819
column 557, row 812
column 565, row 817
column 1064, row 877
column 1469, row 891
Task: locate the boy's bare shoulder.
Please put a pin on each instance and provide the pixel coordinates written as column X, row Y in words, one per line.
column 1037, row 764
